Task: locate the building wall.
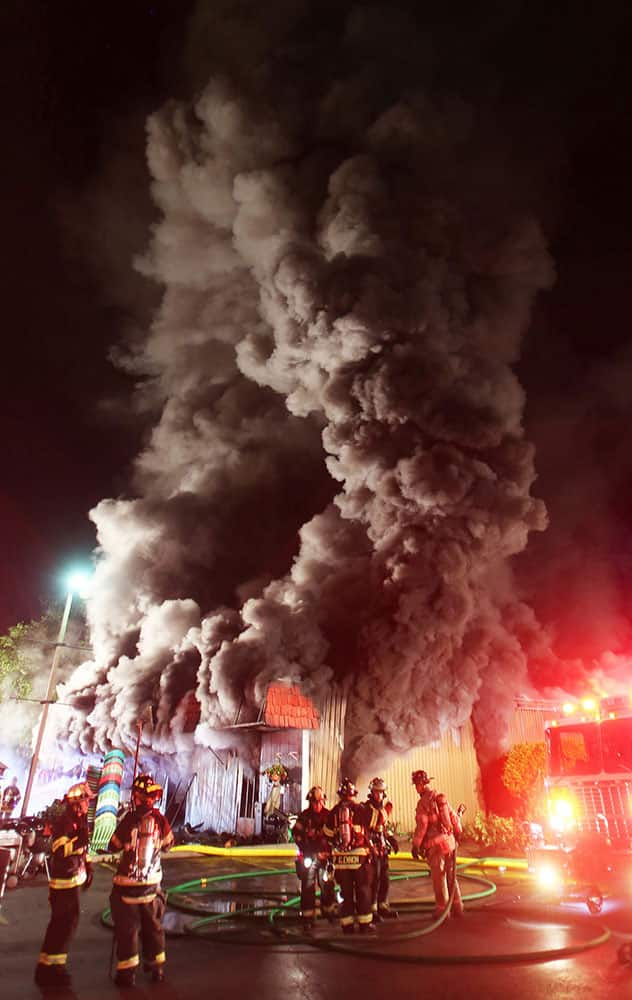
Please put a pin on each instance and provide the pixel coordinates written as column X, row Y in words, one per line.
column 215, row 794
column 527, row 724
column 215, row 791
column 326, row 744
column 452, row 763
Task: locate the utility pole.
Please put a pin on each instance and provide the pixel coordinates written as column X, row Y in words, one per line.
column 139, row 724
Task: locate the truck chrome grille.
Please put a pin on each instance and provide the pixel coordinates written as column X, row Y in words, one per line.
column 612, row 799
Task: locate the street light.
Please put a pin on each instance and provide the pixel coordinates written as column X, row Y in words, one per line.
column 76, row 584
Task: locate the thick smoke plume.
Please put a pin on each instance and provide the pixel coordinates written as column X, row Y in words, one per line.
column 337, row 475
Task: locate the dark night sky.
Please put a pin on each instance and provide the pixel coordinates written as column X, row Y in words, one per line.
column 82, row 76
column 73, row 70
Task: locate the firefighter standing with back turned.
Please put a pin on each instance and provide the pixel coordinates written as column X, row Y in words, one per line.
column 70, row 871
column 434, row 839
column 312, row 862
column 137, row 900
column 346, row 828
column 382, row 843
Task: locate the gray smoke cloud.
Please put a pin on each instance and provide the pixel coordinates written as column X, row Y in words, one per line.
column 338, row 475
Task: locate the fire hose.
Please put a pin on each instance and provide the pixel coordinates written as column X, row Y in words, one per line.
column 273, row 905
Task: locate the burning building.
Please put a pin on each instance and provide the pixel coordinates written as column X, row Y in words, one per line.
column 336, row 476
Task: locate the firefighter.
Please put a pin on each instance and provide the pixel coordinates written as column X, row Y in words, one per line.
column 137, row 900
column 70, row 870
column 313, row 863
column 346, row 828
column 10, row 798
column 436, row 828
column 382, row 843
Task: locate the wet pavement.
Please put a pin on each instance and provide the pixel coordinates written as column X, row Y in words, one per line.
column 222, row 942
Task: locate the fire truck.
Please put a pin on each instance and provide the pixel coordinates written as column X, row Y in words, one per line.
column 588, row 789
column 588, row 780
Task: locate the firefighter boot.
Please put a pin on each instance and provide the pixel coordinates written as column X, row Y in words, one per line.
column 157, row 972
column 125, row 978
column 52, row 976
column 386, row 913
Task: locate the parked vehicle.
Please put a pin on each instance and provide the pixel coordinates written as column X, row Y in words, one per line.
column 588, row 779
column 586, row 851
column 26, row 842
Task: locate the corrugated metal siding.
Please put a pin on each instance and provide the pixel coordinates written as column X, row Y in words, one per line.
column 451, row 761
column 326, row 744
column 214, row 794
column 527, row 725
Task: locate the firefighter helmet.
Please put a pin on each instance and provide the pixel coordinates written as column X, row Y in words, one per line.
column 377, row 785
column 421, row 778
column 144, row 784
column 80, row 791
column 316, row 794
column 347, row 789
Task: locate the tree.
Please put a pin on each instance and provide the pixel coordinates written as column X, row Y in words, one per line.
column 15, row 681
column 26, row 651
column 523, row 775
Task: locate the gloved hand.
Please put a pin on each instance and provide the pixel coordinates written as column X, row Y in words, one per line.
column 394, row 844
column 89, row 875
column 415, row 853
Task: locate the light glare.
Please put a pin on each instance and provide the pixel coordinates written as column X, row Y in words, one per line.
column 77, row 581
column 549, row 877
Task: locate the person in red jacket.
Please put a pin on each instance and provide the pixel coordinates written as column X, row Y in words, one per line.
column 70, row 871
column 137, row 901
column 313, row 859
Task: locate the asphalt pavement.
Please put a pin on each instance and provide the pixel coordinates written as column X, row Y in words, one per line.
column 495, row 951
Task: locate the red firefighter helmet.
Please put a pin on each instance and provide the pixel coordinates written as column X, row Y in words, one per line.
column 421, row 778
column 316, row 794
column 347, row 789
column 144, row 785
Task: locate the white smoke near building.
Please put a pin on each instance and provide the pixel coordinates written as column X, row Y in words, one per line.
column 337, row 475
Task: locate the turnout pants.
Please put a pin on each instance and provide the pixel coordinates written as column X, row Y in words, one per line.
column 356, row 887
column 312, row 878
column 132, row 914
column 381, row 883
column 438, row 864
column 64, row 917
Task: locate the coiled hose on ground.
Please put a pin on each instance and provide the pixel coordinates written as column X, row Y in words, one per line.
column 272, row 908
